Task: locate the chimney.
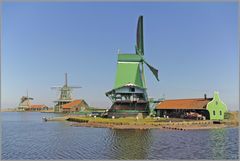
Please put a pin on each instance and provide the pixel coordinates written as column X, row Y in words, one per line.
column 205, row 96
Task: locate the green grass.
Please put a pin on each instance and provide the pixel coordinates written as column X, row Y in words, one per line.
column 121, row 121
column 134, row 121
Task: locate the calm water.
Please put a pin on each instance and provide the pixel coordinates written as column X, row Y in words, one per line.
column 26, row 136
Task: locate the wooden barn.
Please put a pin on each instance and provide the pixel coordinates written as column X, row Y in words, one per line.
column 207, row 108
column 75, row 106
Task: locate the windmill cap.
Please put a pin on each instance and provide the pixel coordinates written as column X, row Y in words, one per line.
column 129, row 58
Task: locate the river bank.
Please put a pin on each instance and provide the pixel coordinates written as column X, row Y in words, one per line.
column 167, row 127
column 147, row 123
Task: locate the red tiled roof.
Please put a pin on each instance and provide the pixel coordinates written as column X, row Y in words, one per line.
column 37, row 106
column 71, row 104
column 195, row 103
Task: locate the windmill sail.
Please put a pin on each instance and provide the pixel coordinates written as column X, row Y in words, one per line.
column 154, row 71
column 140, row 46
column 66, row 80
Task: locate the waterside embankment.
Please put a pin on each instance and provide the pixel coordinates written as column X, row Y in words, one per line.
column 147, row 123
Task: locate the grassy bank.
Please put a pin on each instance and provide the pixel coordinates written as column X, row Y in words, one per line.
column 149, row 122
column 134, row 121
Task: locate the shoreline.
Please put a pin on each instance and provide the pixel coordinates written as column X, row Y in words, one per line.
column 141, row 124
column 145, row 127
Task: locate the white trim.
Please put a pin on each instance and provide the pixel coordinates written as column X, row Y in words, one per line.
column 128, row 62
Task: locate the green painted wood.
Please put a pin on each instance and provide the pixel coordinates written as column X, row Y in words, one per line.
column 129, row 58
column 216, row 108
column 128, row 71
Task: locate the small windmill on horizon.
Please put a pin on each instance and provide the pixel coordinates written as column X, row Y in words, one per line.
column 65, row 94
column 25, row 102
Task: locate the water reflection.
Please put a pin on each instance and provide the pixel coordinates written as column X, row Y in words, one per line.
column 26, row 136
column 223, row 144
column 130, row 144
column 217, row 138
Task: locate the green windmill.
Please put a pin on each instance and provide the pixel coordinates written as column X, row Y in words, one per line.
column 129, row 95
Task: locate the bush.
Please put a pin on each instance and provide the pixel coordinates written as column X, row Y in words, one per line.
column 227, row 115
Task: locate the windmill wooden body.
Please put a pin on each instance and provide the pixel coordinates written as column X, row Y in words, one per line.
column 129, row 95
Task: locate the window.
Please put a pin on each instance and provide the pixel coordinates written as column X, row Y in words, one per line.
column 220, row 112
column 213, row 112
column 132, row 89
column 216, row 102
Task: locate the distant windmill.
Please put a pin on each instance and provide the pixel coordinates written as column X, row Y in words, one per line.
column 24, row 103
column 65, row 94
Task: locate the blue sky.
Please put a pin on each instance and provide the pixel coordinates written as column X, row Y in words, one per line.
column 194, row 46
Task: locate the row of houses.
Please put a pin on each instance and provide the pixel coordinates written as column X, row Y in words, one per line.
column 26, row 105
column 212, row 108
column 73, row 106
column 209, row 108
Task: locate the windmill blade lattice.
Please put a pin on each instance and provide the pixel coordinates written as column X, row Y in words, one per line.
column 140, row 46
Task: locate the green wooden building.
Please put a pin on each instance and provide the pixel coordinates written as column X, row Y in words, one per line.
column 216, row 108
